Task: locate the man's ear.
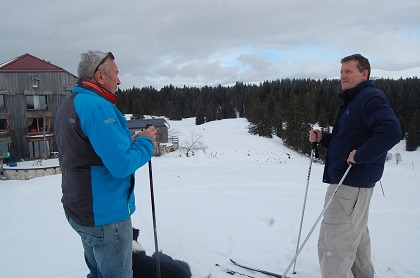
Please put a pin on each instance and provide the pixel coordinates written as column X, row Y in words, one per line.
column 99, row 75
column 365, row 74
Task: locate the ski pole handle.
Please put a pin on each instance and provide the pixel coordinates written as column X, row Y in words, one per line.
column 314, row 146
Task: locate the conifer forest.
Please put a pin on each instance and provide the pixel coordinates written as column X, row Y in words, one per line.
column 287, row 108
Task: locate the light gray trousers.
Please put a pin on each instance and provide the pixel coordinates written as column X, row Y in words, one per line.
column 344, row 249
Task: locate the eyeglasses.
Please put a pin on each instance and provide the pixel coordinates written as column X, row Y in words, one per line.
column 109, row 55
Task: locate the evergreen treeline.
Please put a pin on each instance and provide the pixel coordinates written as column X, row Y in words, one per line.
column 286, row 108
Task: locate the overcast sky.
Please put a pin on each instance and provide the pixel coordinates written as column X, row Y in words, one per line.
column 211, row 42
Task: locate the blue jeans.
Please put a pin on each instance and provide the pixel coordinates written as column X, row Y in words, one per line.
column 107, row 248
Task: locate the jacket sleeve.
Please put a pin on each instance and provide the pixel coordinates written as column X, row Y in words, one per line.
column 385, row 127
column 325, row 141
column 111, row 140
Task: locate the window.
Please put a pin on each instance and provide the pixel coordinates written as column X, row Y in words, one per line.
column 36, row 102
column 3, row 124
column 39, row 148
column 1, row 100
column 35, row 83
column 37, row 124
column 4, row 149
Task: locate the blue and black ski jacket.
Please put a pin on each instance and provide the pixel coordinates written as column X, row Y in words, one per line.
column 97, row 156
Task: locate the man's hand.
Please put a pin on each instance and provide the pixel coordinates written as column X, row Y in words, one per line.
column 350, row 159
column 315, row 135
column 149, row 132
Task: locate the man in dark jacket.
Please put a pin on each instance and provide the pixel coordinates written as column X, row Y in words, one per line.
column 365, row 129
column 98, row 158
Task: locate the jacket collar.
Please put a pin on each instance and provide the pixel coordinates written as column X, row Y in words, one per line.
column 349, row 94
column 99, row 90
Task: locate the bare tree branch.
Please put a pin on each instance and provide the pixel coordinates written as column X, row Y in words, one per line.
column 194, row 142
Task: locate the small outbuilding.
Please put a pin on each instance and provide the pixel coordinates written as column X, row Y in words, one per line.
column 161, row 125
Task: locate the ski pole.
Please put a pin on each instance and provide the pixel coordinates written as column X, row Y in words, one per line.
column 316, row 222
column 314, row 152
column 152, row 198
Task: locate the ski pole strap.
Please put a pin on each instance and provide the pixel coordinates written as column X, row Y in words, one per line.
column 314, row 146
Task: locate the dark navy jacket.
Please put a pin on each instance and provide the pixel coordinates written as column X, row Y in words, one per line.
column 364, row 122
column 98, row 158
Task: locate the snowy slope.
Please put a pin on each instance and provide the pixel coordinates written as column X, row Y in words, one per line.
column 240, row 199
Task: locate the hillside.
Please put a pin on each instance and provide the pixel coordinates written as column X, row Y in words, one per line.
column 240, row 199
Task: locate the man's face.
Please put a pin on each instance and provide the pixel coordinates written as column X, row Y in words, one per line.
column 108, row 78
column 350, row 75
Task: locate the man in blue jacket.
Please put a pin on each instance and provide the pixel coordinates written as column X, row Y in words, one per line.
column 98, row 158
column 365, row 129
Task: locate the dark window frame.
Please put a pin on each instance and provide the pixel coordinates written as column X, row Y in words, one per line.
column 33, row 102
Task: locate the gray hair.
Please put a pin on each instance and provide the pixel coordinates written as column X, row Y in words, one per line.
column 89, row 62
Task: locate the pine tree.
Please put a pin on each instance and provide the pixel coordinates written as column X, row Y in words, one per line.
column 199, row 116
column 413, row 133
column 260, row 123
column 296, row 131
column 138, row 111
column 277, row 120
column 186, row 112
column 219, row 113
column 210, row 112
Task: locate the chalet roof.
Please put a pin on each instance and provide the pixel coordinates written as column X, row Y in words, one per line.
column 141, row 124
column 29, row 63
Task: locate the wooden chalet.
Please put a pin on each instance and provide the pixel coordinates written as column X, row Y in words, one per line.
column 31, row 91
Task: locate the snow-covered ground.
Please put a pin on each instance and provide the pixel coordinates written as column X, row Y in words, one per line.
column 241, row 199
